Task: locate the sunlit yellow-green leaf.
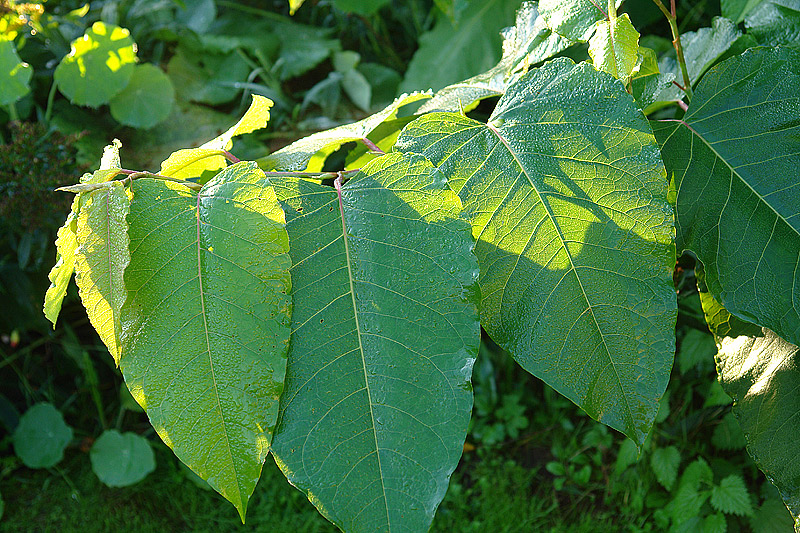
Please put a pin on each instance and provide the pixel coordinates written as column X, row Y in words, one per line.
column 614, row 47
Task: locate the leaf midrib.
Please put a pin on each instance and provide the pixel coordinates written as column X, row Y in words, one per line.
column 562, row 238
column 733, row 171
column 242, row 501
column 361, row 350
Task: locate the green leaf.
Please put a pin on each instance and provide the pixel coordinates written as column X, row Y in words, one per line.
column 771, row 517
column 357, row 88
column 575, row 19
column 728, row 435
column 100, row 260
column 696, row 348
column 197, row 15
column 737, row 10
column 664, row 462
column 731, row 496
column 203, row 163
column 715, row 523
column 762, row 375
column 121, row 459
column 146, row 101
column 385, row 333
column 451, row 52
column 205, row 328
column 719, row 320
column 311, row 152
column 359, row 6
column 61, row 273
column 737, row 206
column 41, row 436
column 614, row 47
column 206, row 77
column 15, row 74
column 567, row 197
column 308, row 47
column 775, row 22
column 701, row 49
column 627, row 456
column 98, row 66
column 528, row 43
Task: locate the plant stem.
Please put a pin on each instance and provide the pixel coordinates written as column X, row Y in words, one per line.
column 372, row 146
column 50, row 97
column 12, row 112
column 672, row 18
column 133, row 174
column 612, row 10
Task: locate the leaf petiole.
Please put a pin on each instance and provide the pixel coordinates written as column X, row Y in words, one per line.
column 672, row 18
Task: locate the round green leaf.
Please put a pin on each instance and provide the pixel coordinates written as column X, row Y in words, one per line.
column 41, row 436
column 146, row 101
column 121, row 459
column 98, row 66
column 14, row 74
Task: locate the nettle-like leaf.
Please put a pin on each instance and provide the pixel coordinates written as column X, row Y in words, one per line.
column 205, row 328
column 101, row 258
column 311, row 152
column 566, row 194
column 203, row 163
column 527, row 43
column 665, row 462
column 731, row 496
column 98, row 67
column 734, row 160
column 385, row 333
column 614, row 47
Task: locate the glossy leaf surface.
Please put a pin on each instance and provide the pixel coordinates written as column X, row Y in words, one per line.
column 100, row 260
column 98, row 67
column 566, row 194
column 735, row 163
column 575, row 19
column 385, row 333
column 206, row 323
column 775, row 22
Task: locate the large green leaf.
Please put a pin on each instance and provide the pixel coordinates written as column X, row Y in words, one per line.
column 205, row 328
column 310, row 153
column 775, row 22
column 100, row 260
column 15, row 75
column 385, row 333
column 735, row 163
column 762, row 374
column 527, row 43
column 98, row 67
column 455, row 51
column 566, row 193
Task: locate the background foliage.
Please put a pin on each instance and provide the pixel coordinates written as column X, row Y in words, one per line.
column 186, row 69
